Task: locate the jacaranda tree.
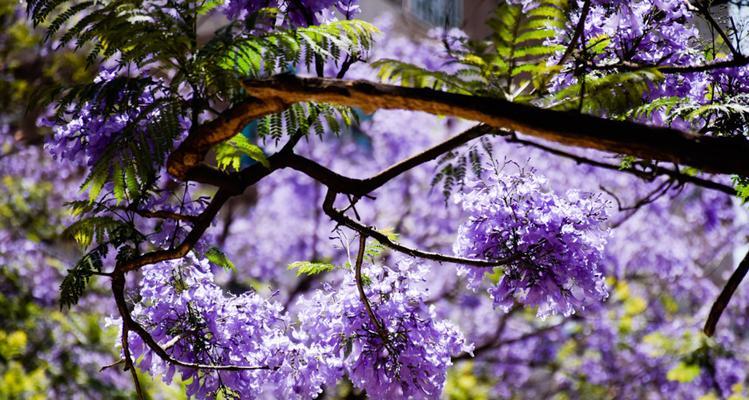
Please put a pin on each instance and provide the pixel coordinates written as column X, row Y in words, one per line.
column 274, row 199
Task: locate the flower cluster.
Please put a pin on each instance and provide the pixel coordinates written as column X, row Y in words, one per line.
column 401, row 350
column 88, row 134
column 552, row 245
column 183, row 308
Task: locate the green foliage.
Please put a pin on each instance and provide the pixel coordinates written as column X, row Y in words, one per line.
column 303, row 118
column 455, row 166
column 253, row 56
column 741, row 184
column 36, row 356
column 230, row 152
column 516, row 50
column 626, row 162
column 611, row 93
column 105, row 232
column 229, row 57
column 410, row 75
column 218, row 257
column 120, row 27
column 463, row 384
column 517, row 44
column 94, row 229
column 725, row 115
column 24, row 209
column 26, row 69
column 310, row 268
column 132, row 159
column 74, row 284
column 375, row 249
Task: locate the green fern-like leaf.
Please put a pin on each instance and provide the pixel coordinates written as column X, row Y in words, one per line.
column 269, row 54
column 74, row 284
column 310, row 268
column 614, row 94
column 229, row 153
column 93, row 229
column 406, row 74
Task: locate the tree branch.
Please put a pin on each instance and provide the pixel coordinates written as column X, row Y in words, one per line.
column 578, row 32
column 736, row 61
column 655, row 170
column 381, row 330
column 711, row 154
column 704, row 9
column 339, row 217
column 725, row 296
column 362, row 187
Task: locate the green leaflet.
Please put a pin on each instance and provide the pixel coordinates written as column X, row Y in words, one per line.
column 229, row 153
column 255, row 55
column 310, row 268
column 216, row 256
column 74, row 284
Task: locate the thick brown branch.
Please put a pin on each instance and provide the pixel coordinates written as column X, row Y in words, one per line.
column 711, row 154
column 202, row 138
column 722, row 155
column 725, row 296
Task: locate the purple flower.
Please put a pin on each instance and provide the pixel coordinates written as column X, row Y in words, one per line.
column 403, row 355
column 555, row 243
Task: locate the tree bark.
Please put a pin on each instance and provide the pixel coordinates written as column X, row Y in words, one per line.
column 710, row 154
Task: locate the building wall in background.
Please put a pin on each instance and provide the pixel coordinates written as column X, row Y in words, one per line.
column 418, row 16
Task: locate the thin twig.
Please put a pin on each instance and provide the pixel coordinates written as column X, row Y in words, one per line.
column 344, row 220
column 578, row 32
column 655, row 170
column 381, row 331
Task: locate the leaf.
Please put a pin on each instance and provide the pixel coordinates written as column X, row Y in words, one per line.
column 230, row 152
column 251, row 56
column 80, row 207
column 310, row 268
column 410, row 75
column 741, row 185
column 218, row 257
column 683, row 372
column 118, row 178
column 598, row 44
column 87, row 230
column 375, row 249
column 74, row 284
